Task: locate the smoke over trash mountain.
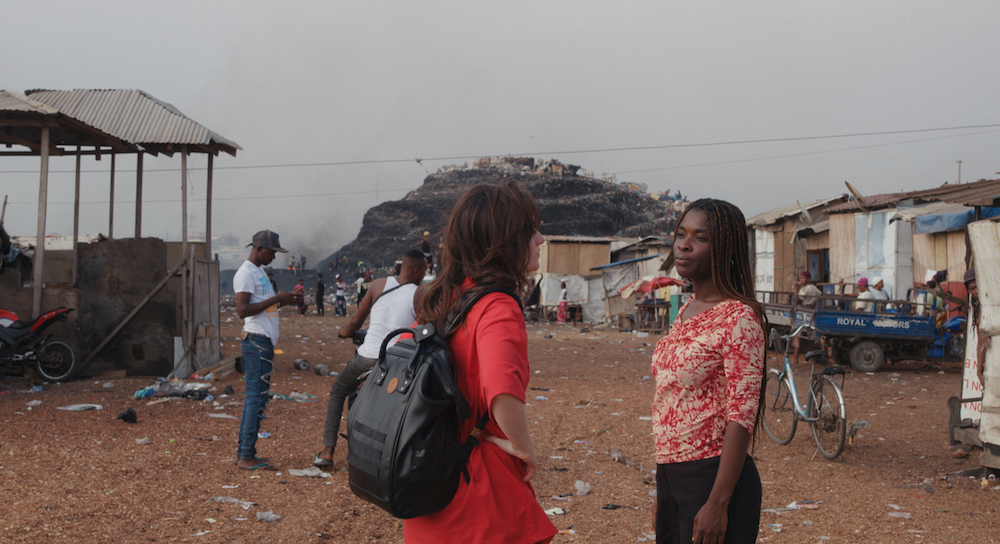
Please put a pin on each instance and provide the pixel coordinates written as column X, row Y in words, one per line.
column 572, row 202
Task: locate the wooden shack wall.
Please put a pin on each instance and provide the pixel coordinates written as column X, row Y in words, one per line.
column 842, row 247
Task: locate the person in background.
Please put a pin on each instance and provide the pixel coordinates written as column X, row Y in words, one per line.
column 709, row 381
column 865, row 294
column 808, row 295
column 390, row 302
column 563, row 312
column 340, row 300
column 257, row 304
column 320, row 293
column 300, row 290
column 491, row 240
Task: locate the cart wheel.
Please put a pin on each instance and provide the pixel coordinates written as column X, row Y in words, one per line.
column 867, row 356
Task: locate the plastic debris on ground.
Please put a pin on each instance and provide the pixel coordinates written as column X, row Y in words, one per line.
column 555, row 511
column 80, row 407
column 221, row 416
column 268, row 517
column 142, row 441
column 128, row 415
column 232, row 500
column 311, row 472
column 33, row 403
column 583, row 488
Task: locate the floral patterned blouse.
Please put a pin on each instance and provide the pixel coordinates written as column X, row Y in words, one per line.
column 708, row 372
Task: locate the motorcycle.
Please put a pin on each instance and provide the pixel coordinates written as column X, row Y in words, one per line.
column 23, row 345
column 949, row 343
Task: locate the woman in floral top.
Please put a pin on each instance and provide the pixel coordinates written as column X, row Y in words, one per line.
column 709, row 372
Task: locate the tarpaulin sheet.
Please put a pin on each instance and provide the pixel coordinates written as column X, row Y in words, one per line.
column 947, row 222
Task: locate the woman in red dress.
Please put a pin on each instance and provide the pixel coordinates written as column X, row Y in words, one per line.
column 709, row 372
column 491, row 240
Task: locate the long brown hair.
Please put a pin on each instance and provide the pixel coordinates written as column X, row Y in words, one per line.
column 732, row 268
column 487, row 241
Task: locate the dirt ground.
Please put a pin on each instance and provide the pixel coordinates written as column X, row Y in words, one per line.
column 82, row 477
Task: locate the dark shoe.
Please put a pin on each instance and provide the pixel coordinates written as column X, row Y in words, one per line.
column 322, row 463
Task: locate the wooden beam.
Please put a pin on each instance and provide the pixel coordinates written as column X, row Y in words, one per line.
column 208, row 209
column 43, row 199
column 27, row 123
column 111, row 201
column 138, row 195
column 76, row 220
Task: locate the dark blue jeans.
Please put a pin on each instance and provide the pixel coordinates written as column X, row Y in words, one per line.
column 258, row 358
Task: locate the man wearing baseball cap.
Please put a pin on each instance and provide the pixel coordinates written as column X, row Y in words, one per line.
column 258, row 305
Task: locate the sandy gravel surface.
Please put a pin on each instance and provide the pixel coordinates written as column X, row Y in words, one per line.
column 81, row 476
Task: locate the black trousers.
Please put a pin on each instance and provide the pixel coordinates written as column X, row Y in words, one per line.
column 683, row 488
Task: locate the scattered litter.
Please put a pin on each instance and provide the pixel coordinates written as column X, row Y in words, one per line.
column 231, row 486
column 555, row 511
column 321, row 370
column 557, row 469
column 228, row 390
column 80, row 407
column 108, row 385
column 641, row 334
column 563, row 497
column 128, row 415
column 264, row 434
column 268, row 517
column 583, row 488
column 647, row 537
column 221, row 416
column 36, row 389
column 231, row 500
column 567, row 531
column 612, row 507
column 142, row 441
column 301, row 364
column 645, row 377
column 311, row 472
column 201, row 533
column 904, row 515
column 33, row 403
column 540, row 397
column 645, row 418
column 541, row 389
column 895, row 506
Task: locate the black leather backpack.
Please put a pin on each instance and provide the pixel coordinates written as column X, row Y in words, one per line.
column 404, row 450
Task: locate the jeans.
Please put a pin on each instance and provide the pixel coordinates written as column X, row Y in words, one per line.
column 258, row 357
column 340, row 306
column 346, row 382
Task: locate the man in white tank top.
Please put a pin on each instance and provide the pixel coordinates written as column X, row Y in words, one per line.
column 394, row 310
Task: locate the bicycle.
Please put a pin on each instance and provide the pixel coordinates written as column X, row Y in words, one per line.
column 824, row 409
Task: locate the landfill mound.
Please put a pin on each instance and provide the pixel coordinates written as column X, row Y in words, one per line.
column 571, row 205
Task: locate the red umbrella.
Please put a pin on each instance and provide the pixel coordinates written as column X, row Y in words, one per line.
column 658, row 282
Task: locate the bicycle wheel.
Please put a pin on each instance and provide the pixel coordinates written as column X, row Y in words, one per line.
column 830, row 427
column 779, row 410
column 58, row 360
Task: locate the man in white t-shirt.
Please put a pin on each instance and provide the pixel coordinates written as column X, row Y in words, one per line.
column 257, row 304
column 865, row 294
column 391, row 302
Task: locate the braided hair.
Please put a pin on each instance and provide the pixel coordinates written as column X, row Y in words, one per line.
column 732, row 272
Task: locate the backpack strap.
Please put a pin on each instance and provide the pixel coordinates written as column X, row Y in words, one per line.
column 455, row 321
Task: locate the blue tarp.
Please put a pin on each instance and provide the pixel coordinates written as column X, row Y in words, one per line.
column 947, row 222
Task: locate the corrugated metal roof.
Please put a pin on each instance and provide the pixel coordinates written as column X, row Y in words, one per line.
column 872, row 202
column 630, row 261
column 985, row 192
column 777, row 214
column 17, row 102
column 134, row 116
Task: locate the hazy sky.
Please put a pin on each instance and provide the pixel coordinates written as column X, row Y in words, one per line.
column 300, row 83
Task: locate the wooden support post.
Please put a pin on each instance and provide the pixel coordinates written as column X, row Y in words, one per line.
column 138, row 194
column 184, row 201
column 43, row 198
column 208, row 209
column 76, row 217
column 111, row 200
